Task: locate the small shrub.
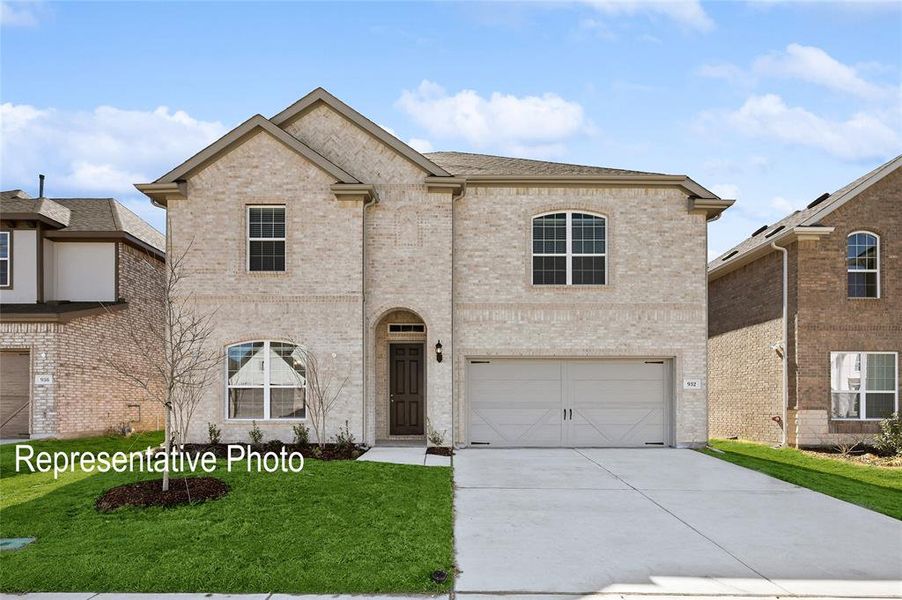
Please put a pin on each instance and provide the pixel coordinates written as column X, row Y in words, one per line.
column 119, row 430
column 889, row 439
column 255, row 433
column 273, row 446
column 435, row 437
column 344, row 439
column 214, row 433
column 301, row 434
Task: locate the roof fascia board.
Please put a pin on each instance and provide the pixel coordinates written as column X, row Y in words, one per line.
column 785, row 239
column 63, row 316
column 680, row 181
column 712, row 208
column 446, row 184
column 879, row 174
column 321, row 95
column 160, row 193
column 31, row 216
column 238, row 135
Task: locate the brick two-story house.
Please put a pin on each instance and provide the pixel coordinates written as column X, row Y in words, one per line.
column 77, row 275
column 844, row 319
column 507, row 302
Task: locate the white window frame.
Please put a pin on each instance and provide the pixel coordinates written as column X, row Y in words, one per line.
column 877, row 270
column 247, row 218
column 267, row 385
column 568, row 254
column 7, row 259
column 863, row 391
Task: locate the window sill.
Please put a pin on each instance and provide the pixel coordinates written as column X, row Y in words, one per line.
column 564, row 286
column 856, row 420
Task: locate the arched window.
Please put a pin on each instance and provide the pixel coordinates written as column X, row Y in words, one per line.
column 569, row 248
column 863, row 264
column 265, row 380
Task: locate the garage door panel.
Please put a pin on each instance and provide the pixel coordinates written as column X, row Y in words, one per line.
column 15, row 414
column 606, row 403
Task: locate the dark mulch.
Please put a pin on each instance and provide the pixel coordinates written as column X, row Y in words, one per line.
column 182, row 490
column 440, row 450
column 328, row 452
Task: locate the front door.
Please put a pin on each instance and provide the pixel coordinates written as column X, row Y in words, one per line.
column 406, row 393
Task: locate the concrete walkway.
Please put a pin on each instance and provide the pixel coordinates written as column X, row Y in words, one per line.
column 658, row 521
column 405, row 455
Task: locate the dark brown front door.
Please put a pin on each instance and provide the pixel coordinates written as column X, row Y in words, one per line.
column 406, row 393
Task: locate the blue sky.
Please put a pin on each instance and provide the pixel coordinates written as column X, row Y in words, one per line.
column 770, row 102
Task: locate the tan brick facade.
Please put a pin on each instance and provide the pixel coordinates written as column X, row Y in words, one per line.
column 822, row 320
column 462, row 266
column 87, row 396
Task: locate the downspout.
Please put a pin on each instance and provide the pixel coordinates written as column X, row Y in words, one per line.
column 455, row 405
column 785, row 424
column 363, row 327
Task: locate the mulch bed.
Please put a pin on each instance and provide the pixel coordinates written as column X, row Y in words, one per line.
column 182, row 490
column 440, row 450
column 328, row 452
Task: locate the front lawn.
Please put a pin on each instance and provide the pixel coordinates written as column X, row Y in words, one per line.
column 876, row 488
column 343, row 526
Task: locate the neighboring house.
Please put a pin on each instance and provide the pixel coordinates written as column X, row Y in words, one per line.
column 500, row 301
column 75, row 275
column 844, row 306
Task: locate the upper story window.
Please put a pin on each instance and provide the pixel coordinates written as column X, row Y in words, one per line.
column 266, row 380
column 5, row 247
column 266, row 238
column 863, row 264
column 864, row 385
column 569, row 248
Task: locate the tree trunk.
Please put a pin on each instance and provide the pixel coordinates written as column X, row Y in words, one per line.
column 168, row 447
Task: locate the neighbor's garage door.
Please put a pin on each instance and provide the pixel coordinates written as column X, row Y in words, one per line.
column 14, row 410
column 586, row 403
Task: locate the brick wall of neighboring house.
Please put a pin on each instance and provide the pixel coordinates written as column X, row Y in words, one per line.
column 745, row 319
column 87, row 396
column 745, row 310
column 829, row 321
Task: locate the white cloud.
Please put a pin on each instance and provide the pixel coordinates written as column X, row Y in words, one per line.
column 530, row 125
column 726, row 72
column 861, row 136
column 782, row 205
column 100, row 152
column 20, row 14
column 687, row 13
column 726, row 190
column 420, row 145
column 814, row 65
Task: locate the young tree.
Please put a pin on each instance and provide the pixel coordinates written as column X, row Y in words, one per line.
column 324, row 387
column 169, row 358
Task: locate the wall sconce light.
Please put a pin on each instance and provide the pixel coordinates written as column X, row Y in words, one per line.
column 438, row 351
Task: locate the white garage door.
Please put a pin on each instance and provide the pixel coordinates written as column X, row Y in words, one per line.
column 578, row 403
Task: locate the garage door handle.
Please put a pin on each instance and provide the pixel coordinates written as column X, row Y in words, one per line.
column 571, row 414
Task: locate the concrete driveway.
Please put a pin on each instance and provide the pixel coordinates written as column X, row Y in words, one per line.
column 561, row 521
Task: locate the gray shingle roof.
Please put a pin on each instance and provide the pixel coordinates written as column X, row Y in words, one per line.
column 96, row 215
column 466, row 163
column 803, row 218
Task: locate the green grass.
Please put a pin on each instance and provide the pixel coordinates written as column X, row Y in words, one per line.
column 876, row 488
column 336, row 527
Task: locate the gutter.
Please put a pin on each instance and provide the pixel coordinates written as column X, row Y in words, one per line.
column 785, row 342
column 799, row 233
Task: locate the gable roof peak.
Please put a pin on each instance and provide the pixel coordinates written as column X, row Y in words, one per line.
column 321, row 94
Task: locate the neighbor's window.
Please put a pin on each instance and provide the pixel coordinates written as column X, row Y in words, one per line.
column 863, row 264
column 266, row 238
column 864, row 385
column 266, row 380
column 4, row 258
column 569, row 248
